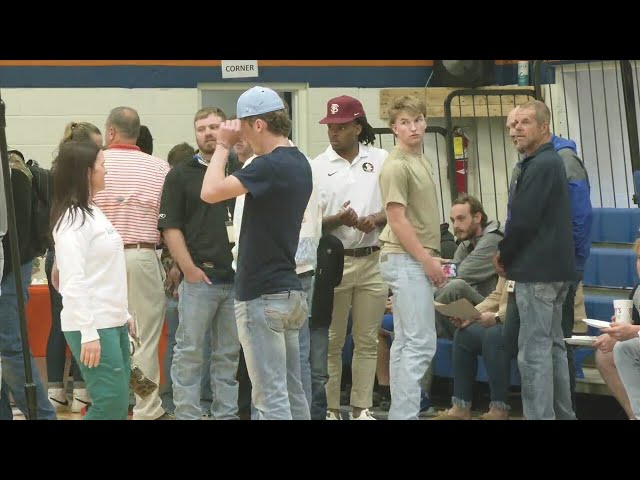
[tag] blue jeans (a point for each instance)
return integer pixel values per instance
(568, 318)
(206, 392)
(172, 319)
(268, 328)
(166, 390)
(414, 344)
(542, 354)
(304, 337)
(12, 356)
(468, 343)
(627, 358)
(319, 371)
(56, 343)
(6, 412)
(202, 306)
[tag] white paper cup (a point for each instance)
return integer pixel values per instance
(623, 310)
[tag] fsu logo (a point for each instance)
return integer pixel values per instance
(367, 167)
(334, 108)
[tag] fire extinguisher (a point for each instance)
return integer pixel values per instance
(460, 152)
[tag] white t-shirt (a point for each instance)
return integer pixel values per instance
(93, 275)
(237, 220)
(339, 181)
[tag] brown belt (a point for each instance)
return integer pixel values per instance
(141, 245)
(360, 252)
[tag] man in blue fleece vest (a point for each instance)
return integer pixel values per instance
(581, 217)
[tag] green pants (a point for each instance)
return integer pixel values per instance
(108, 383)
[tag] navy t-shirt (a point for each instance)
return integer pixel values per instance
(279, 185)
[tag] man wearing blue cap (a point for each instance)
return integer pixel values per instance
(270, 304)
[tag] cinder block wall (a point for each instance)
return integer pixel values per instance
(36, 116)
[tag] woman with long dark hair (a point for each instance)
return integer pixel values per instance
(56, 344)
(92, 280)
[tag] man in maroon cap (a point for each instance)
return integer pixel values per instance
(347, 178)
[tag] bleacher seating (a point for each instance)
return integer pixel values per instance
(611, 267)
(443, 364)
(600, 307)
(615, 225)
(607, 268)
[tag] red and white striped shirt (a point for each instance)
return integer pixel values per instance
(131, 198)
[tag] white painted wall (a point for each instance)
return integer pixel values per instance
(36, 116)
(587, 105)
(492, 159)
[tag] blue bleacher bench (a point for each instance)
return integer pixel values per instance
(611, 267)
(615, 225)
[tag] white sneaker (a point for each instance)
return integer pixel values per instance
(58, 399)
(364, 415)
(80, 399)
(332, 416)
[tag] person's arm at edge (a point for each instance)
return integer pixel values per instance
(215, 187)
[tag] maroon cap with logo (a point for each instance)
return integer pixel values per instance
(343, 109)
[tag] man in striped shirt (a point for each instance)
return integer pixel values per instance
(131, 202)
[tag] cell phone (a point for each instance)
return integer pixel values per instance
(449, 269)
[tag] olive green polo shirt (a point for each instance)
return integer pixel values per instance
(408, 179)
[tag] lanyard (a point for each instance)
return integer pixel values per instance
(202, 161)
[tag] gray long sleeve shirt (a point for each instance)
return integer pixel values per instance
(475, 264)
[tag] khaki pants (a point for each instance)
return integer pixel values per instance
(579, 311)
(145, 282)
(363, 290)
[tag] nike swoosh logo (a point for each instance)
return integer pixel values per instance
(64, 404)
(333, 173)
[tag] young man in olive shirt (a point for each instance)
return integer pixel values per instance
(410, 243)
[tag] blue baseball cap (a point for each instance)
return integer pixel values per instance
(258, 100)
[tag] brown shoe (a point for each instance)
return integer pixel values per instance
(444, 415)
(490, 416)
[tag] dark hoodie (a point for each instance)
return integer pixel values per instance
(538, 244)
(21, 186)
(448, 243)
(579, 197)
